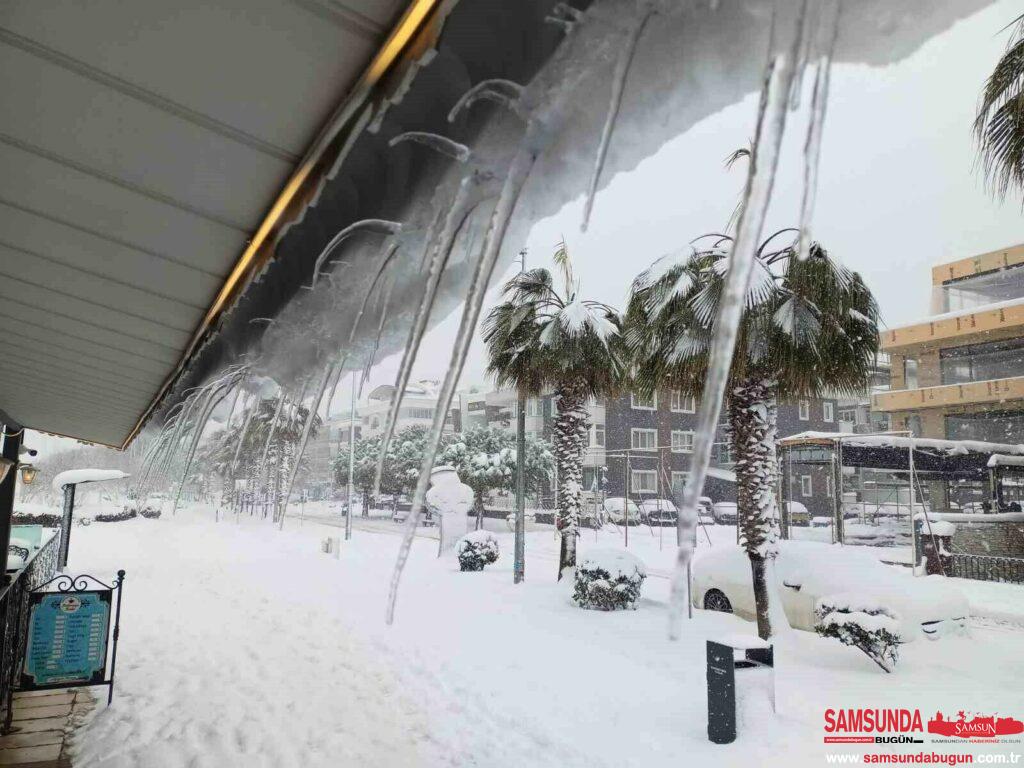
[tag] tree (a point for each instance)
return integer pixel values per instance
(485, 460)
(401, 463)
(809, 327)
(544, 337)
(999, 125)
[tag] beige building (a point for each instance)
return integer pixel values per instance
(959, 374)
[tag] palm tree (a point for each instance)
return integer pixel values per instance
(809, 327)
(999, 125)
(543, 337)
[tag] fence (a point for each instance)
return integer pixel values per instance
(986, 567)
(39, 568)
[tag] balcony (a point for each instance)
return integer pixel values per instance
(978, 392)
(994, 321)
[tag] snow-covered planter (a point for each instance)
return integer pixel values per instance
(475, 550)
(608, 580)
(862, 623)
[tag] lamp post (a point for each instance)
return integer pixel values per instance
(519, 563)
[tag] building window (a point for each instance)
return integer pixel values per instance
(828, 411)
(643, 481)
(683, 403)
(804, 410)
(910, 373)
(806, 486)
(644, 403)
(679, 481)
(721, 453)
(848, 414)
(599, 435)
(828, 486)
(682, 441)
(534, 406)
(418, 413)
(644, 439)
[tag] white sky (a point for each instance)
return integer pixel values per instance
(898, 190)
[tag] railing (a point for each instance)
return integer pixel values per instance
(986, 567)
(39, 568)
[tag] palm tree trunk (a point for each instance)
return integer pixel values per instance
(752, 426)
(571, 427)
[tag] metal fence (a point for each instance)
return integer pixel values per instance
(987, 567)
(39, 568)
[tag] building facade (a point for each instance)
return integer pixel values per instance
(959, 374)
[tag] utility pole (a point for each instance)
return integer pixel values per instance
(519, 563)
(351, 459)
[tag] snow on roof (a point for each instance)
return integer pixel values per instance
(1002, 460)
(963, 312)
(902, 441)
(76, 476)
(722, 474)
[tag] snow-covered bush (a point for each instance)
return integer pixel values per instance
(44, 519)
(475, 550)
(862, 623)
(608, 580)
(150, 512)
(116, 517)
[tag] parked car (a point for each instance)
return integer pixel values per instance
(724, 512)
(808, 571)
(613, 510)
(798, 514)
(658, 511)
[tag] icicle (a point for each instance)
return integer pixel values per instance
(517, 175)
(435, 141)
(254, 406)
(380, 324)
(771, 123)
(270, 433)
(622, 65)
(565, 16)
(389, 254)
(212, 401)
(816, 124)
(375, 226)
(438, 260)
(806, 45)
(504, 92)
(314, 406)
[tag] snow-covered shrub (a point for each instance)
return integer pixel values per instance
(608, 580)
(862, 623)
(44, 519)
(475, 550)
(150, 512)
(115, 517)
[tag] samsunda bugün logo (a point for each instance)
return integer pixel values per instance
(873, 726)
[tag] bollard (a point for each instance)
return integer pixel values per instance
(722, 665)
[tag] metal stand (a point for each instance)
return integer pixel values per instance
(65, 530)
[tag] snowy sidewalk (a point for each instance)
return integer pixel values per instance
(245, 646)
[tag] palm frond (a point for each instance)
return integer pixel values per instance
(999, 124)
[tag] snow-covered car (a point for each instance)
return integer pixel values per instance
(724, 512)
(798, 514)
(613, 510)
(658, 511)
(806, 572)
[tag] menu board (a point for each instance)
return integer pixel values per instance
(67, 638)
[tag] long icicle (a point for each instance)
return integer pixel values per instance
(519, 170)
(622, 65)
(311, 414)
(376, 226)
(768, 138)
(212, 401)
(254, 405)
(438, 262)
(271, 430)
(816, 124)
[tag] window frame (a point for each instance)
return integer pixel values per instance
(599, 429)
(828, 411)
(633, 487)
(635, 407)
(806, 490)
(678, 399)
(803, 410)
(646, 430)
(690, 432)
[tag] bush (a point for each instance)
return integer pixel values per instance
(45, 519)
(116, 517)
(475, 550)
(149, 513)
(872, 628)
(609, 580)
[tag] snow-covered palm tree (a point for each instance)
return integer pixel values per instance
(810, 327)
(546, 337)
(999, 126)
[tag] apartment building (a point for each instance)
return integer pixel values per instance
(959, 374)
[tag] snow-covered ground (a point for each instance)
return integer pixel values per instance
(245, 646)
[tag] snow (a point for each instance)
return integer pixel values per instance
(76, 476)
(741, 641)
(999, 460)
(966, 517)
(994, 306)
(617, 562)
(865, 621)
(951, 447)
(245, 646)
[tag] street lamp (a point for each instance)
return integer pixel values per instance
(28, 473)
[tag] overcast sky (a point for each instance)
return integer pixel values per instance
(898, 190)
